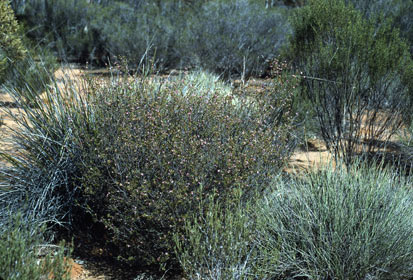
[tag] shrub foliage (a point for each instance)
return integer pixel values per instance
(20, 248)
(11, 46)
(217, 241)
(222, 36)
(356, 74)
(154, 146)
(235, 37)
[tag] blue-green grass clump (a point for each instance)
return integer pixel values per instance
(353, 223)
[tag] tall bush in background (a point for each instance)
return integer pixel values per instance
(401, 11)
(11, 46)
(66, 27)
(151, 30)
(230, 37)
(355, 74)
(235, 37)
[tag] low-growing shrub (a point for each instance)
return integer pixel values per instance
(353, 223)
(21, 255)
(155, 143)
(217, 241)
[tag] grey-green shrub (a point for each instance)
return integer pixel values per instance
(70, 28)
(230, 37)
(148, 30)
(235, 37)
(107, 31)
(217, 241)
(20, 248)
(353, 223)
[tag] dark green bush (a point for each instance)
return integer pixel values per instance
(356, 74)
(155, 144)
(347, 223)
(12, 49)
(399, 10)
(20, 248)
(235, 37)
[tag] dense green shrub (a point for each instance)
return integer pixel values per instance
(401, 11)
(20, 248)
(235, 37)
(11, 46)
(156, 143)
(356, 74)
(353, 223)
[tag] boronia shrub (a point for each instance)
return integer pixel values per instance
(155, 143)
(347, 223)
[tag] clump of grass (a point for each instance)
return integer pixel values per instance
(40, 178)
(348, 223)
